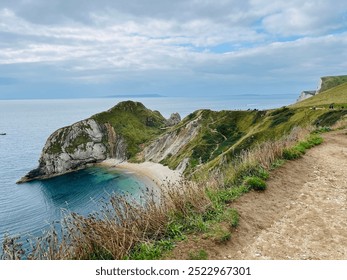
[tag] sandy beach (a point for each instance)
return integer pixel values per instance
(161, 175)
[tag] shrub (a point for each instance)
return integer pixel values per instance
(255, 183)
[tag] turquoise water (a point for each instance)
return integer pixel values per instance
(30, 207)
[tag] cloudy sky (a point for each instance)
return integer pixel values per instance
(85, 48)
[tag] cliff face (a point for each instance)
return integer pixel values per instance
(76, 146)
(172, 142)
(73, 146)
(306, 94)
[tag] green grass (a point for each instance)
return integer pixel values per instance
(332, 81)
(151, 251)
(199, 255)
(227, 195)
(280, 116)
(329, 118)
(232, 217)
(336, 95)
(81, 139)
(134, 122)
(291, 154)
(255, 183)
(299, 149)
(277, 163)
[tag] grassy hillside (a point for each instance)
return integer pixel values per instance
(336, 95)
(134, 122)
(332, 81)
(224, 135)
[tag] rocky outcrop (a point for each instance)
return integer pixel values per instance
(306, 94)
(172, 142)
(76, 146)
(174, 119)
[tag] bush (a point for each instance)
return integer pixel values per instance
(255, 183)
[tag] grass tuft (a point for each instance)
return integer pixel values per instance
(255, 183)
(199, 255)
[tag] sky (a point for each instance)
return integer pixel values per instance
(195, 48)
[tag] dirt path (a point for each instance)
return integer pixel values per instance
(302, 214)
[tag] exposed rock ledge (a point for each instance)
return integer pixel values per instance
(74, 147)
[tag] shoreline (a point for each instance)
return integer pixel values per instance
(162, 176)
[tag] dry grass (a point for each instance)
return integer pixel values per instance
(263, 156)
(340, 124)
(114, 231)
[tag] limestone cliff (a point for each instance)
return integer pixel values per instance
(76, 146)
(306, 94)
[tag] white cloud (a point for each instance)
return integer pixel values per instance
(183, 41)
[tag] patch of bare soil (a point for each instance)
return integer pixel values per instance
(301, 215)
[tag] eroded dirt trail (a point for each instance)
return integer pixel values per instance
(302, 214)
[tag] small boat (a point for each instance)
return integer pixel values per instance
(2, 133)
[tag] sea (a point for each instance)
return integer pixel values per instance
(28, 209)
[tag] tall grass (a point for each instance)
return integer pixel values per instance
(262, 157)
(116, 231)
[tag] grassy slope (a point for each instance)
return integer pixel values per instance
(223, 135)
(332, 81)
(337, 95)
(134, 122)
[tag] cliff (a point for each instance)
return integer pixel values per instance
(306, 94)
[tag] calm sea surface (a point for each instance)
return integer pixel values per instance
(29, 208)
